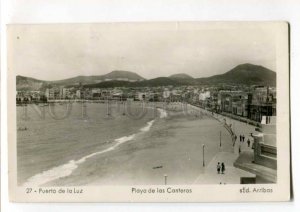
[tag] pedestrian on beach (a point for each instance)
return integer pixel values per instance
(218, 167)
(240, 138)
(243, 138)
(222, 168)
(248, 142)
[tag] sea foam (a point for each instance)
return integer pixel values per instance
(67, 169)
(148, 127)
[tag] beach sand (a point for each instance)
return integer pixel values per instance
(172, 147)
(126, 151)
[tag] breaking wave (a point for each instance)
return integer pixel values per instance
(148, 127)
(67, 169)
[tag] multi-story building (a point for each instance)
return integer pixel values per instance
(204, 99)
(65, 93)
(51, 93)
(240, 104)
(262, 103)
(96, 93)
(141, 96)
(78, 94)
(235, 102)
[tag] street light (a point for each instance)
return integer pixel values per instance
(203, 146)
(166, 176)
(220, 138)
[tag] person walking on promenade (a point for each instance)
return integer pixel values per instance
(240, 138)
(218, 167)
(240, 149)
(222, 168)
(248, 142)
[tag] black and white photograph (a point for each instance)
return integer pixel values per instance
(149, 104)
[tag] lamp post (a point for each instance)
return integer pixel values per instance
(220, 138)
(123, 108)
(166, 176)
(203, 146)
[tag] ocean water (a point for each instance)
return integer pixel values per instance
(53, 146)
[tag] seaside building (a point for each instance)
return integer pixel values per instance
(30, 97)
(96, 93)
(83, 94)
(23, 96)
(141, 96)
(78, 94)
(262, 103)
(214, 101)
(240, 104)
(166, 93)
(204, 99)
(65, 93)
(52, 93)
(234, 102)
(154, 96)
(204, 95)
(118, 95)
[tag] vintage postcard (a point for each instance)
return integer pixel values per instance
(149, 112)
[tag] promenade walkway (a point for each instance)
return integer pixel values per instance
(232, 175)
(228, 156)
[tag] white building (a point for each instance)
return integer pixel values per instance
(65, 93)
(50, 93)
(141, 96)
(204, 95)
(78, 94)
(166, 93)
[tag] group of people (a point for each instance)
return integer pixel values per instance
(242, 139)
(221, 168)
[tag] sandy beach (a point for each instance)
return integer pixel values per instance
(172, 147)
(138, 151)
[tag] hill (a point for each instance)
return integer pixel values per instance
(244, 74)
(114, 75)
(247, 74)
(181, 76)
(122, 76)
(160, 81)
(28, 83)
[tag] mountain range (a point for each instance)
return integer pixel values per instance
(244, 74)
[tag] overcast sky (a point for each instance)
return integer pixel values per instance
(53, 52)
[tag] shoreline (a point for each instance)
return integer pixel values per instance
(66, 169)
(173, 144)
(70, 171)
